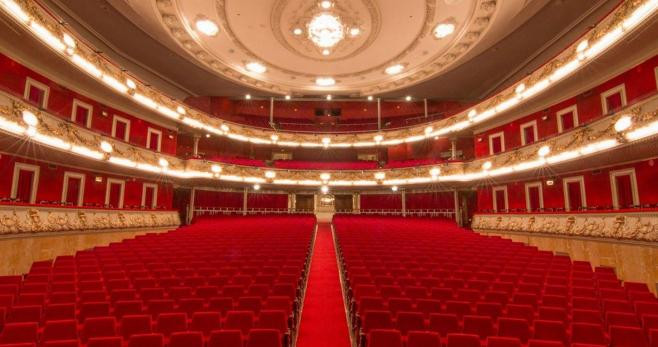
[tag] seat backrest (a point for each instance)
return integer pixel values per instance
(423, 339)
(19, 332)
(273, 319)
(407, 321)
(587, 333)
(444, 323)
(550, 330)
(135, 324)
(225, 338)
(501, 341)
(98, 327)
(169, 323)
(384, 338)
(264, 338)
(481, 326)
(545, 343)
(622, 336)
(239, 320)
(377, 320)
(60, 330)
(463, 340)
(205, 322)
(514, 327)
(146, 340)
(186, 339)
(104, 342)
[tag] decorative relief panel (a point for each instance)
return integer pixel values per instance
(638, 226)
(33, 219)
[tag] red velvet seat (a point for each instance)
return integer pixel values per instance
(220, 304)
(587, 333)
(225, 338)
(146, 340)
(423, 339)
(427, 306)
(94, 309)
(60, 330)
(168, 323)
(500, 341)
(30, 313)
(264, 338)
(463, 340)
(105, 342)
(377, 320)
(623, 336)
(206, 322)
(514, 327)
(239, 320)
(186, 339)
(127, 307)
(19, 333)
(135, 324)
(59, 312)
(98, 327)
(444, 323)
(545, 343)
(550, 330)
(273, 319)
(481, 326)
(384, 338)
(399, 304)
(490, 309)
(61, 343)
(408, 321)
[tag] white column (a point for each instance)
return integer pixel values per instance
(356, 201)
(425, 107)
(453, 148)
(457, 214)
(272, 111)
(195, 150)
(190, 213)
(379, 114)
(244, 200)
(404, 203)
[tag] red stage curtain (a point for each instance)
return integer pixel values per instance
(115, 194)
(567, 121)
(81, 115)
(496, 144)
(148, 198)
(435, 200)
(624, 191)
(204, 198)
(573, 193)
(267, 201)
(36, 95)
(500, 200)
(533, 198)
(381, 201)
(529, 134)
(24, 191)
(72, 190)
(154, 141)
(120, 131)
(614, 102)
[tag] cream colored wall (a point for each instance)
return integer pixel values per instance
(636, 262)
(18, 253)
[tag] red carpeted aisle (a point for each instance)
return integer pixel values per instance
(323, 317)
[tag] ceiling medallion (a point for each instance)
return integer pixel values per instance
(328, 25)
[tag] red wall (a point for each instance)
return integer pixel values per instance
(433, 200)
(258, 200)
(51, 181)
(640, 82)
(60, 103)
(597, 188)
(206, 198)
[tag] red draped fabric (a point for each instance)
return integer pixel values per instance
(204, 198)
(529, 134)
(533, 198)
(120, 131)
(148, 198)
(313, 165)
(267, 201)
(497, 144)
(624, 191)
(115, 195)
(155, 138)
(81, 115)
(24, 191)
(435, 200)
(574, 195)
(567, 121)
(381, 201)
(73, 190)
(36, 95)
(614, 102)
(500, 200)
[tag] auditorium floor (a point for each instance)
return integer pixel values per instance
(323, 320)
(636, 262)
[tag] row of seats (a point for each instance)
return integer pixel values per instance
(219, 282)
(427, 277)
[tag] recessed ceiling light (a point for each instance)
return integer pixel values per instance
(207, 136)
(69, 41)
(444, 29)
(324, 189)
(325, 52)
(394, 69)
(297, 31)
(329, 97)
(325, 81)
(256, 67)
(355, 31)
(369, 97)
(288, 97)
(394, 188)
(248, 96)
(131, 84)
(163, 162)
(408, 98)
(207, 26)
(326, 4)
(257, 186)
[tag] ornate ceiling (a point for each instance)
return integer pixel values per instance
(380, 45)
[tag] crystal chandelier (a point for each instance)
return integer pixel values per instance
(325, 30)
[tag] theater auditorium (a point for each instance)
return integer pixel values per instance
(328, 173)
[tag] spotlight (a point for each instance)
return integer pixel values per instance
(216, 168)
(394, 188)
(207, 26)
(486, 165)
(324, 189)
(257, 186)
(106, 147)
(30, 119)
(544, 151)
(163, 162)
(623, 123)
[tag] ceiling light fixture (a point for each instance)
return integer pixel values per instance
(248, 96)
(270, 174)
(380, 175)
(329, 97)
(408, 98)
(486, 166)
(378, 138)
(131, 84)
(206, 26)
(288, 97)
(216, 168)
(274, 138)
(325, 52)
(623, 123)
(68, 40)
(325, 81)
(443, 29)
(434, 172)
(30, 119)
(163, 162)
(106, 147)
(256, 67)
(544, 151)
(370, 97)
(326, 4)
(325, 30)
(355, 31)
(324, 189)
(180, 109)
(297, 31)
(325, 176)
(256, 186)
(394, 188)
(394, 69)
